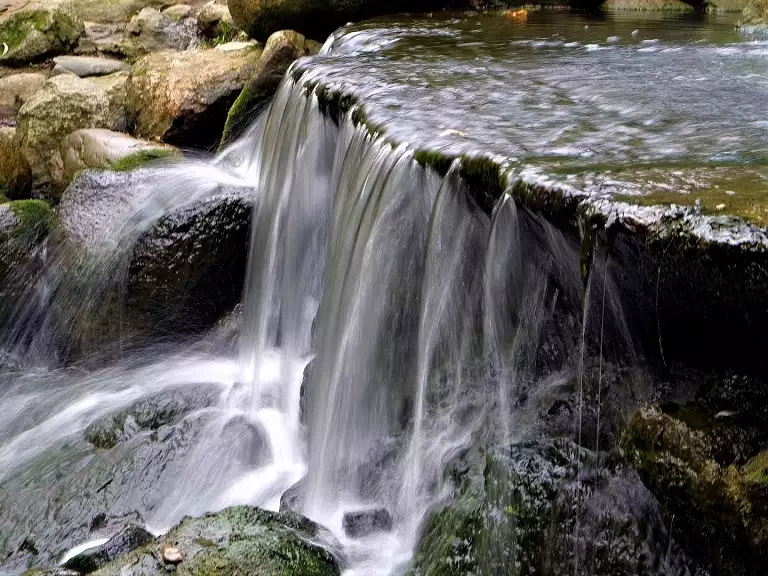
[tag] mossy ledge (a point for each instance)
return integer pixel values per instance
(144, 157)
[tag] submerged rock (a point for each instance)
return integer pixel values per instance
(529, 512)
(366, 522)
(720, 511)
(238, 540)
(127, 540)
(42, 30)
(66, 103)
(183, 98)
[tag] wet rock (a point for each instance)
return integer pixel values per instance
(16, 89)
(40, 31)
(719, 511)
(183, 98)
(151, 31)
(526, 510)
(149, 414)
(15, 173)
(127, 540)
(292, 499)
(215, 21)
(366, 522)
(238, 540)
(66, 103)
(281, 49)
(85, 66)
(98, 148)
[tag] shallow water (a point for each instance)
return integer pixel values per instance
(670, 107)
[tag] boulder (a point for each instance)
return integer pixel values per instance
(281, 49)
(315, 18)
(85, 66)
(237, 540)
(116, 87)
(183, 98)
(127, 540)
(15, 174)
(66, 103)
(179, 12)
(152, 31)
(99, 148)
(363, 523)
(527, 510)
(755, 15)
(16, 89)
(720, 511)
(38, 32)
(215, 21)
(112, 11)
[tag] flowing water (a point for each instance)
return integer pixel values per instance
(388, 323)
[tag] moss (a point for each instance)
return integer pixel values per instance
(756, 470)
(438, 161)
(485, 180)
(238, 115)
(143, 157)
(35, 219)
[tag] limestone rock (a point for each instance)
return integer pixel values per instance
(66, 103)
(315, 18)
(85, 66)
(183, 98)
(16, 89)
(281, 49)
(15, 174)
(363, 523)
(38, 32)
(98, 148)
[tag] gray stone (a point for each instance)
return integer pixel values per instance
(127, 540)
(363, 523)
(16, 89)
(84, 66)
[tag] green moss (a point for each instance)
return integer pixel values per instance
(485, 180)
(35, 219)
(238, 115)
(438, 161)
(143, 157)
(756, 470)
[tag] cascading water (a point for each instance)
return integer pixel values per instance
(388, 326)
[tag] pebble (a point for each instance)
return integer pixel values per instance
(171, 555)
(635, 33)
(614, 39)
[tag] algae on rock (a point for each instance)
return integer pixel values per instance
(39, 32)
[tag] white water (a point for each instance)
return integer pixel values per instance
(378, 272)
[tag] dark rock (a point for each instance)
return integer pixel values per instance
(129, 539)
(529, 511)
(366, 522)
(292, 499)
(238, 540)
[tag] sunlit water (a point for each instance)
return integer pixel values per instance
(382, 274)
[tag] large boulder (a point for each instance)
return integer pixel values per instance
(16, 89)
(527, 509)
(99, 148)
(66, 103)
(15, 174)
(112, 11)
(183, 98)
(281, 49)
(152, 31)
(315, 18)
(755, 15)
(44, 30)
(720, 510)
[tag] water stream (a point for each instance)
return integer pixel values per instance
(388, 323)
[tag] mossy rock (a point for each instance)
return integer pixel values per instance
(237, 540)
(719, 511)
(37, 33)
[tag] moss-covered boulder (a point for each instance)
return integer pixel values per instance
(66, 103)
(15, 174)
(755, 15)
(281, 49)
(720, 512)
(238, 540)
(183, 98)
(99, 148)
(315, 18)
(44, 30)
(527, 514)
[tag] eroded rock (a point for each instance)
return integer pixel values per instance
(361, 523)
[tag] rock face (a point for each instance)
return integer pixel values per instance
(366, 522)
(65, 104)
(16, 89)
(183, 98)
(238, 540)
(99, 148)
(39, 32)
(720, 511)
(281, 50)
(15, 174)
(525, 509)
(755, 14)
(314, 18)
